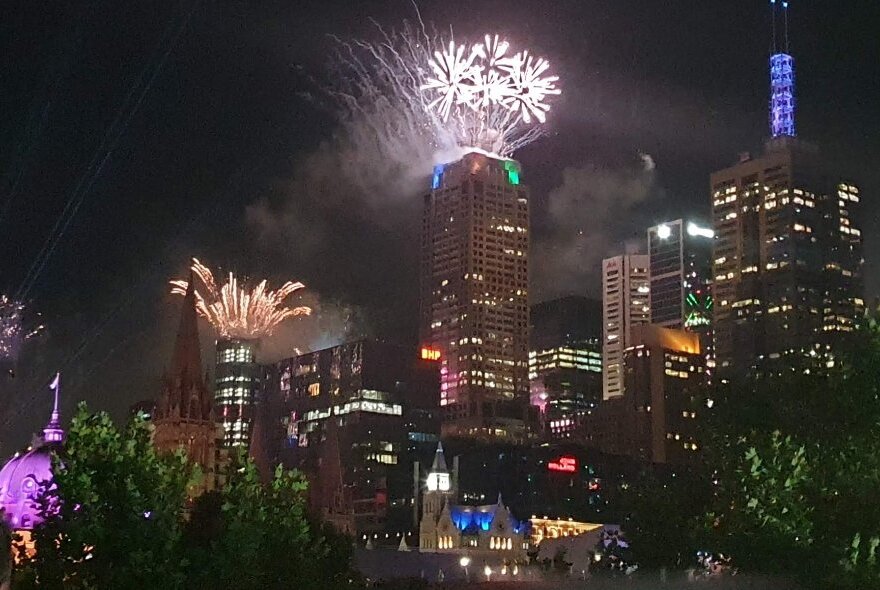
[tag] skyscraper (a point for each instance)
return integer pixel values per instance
(681, 279)
(625, 303)
(474, 294)
(565, 363)
(787, 258)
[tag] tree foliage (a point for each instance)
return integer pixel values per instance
(258, 536)
(118, 517)
(789, 479)
(113, 519)
(798, 468)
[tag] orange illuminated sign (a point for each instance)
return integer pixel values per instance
(565, 464)
(430, 354)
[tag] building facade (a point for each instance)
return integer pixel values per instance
(237, 383)
(355, 417)
(787, 260)
(788, 248)
(447, 527)
(656, 418)
(681, 280)
(474, 295)
(625, 303)
(184, 415)
(565, 364)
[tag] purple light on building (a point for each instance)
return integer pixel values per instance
(782, 99)
(28, 475)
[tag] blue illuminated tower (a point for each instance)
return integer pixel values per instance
(782, 97)
(787, 251)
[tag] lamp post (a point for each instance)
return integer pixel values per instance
(464, 562)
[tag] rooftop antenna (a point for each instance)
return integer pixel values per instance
(773, 27)
(53, 432)
(782, 98)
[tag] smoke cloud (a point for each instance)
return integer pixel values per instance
(330, 323)
(593, 214)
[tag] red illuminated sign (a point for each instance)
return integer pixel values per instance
(565, 464)
(430, 354)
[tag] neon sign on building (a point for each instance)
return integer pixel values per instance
(565, 464)
(430, 354)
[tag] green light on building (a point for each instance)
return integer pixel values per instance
(512, 172)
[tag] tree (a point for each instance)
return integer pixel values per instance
(113, 515)
(664, 514)
(798, 468)
(117, 516)
(251, 535)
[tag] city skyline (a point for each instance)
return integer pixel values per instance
(107, 335)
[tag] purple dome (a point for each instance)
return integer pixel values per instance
(22, 481)
(24, 477)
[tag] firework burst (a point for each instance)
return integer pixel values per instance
(436, 99)
(235, 311)
(13, 332)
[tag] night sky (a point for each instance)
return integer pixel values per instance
(228, 156)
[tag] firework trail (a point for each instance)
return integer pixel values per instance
(236, 312)
(415, 95)
(13, 332)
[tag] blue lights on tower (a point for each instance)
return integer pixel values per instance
(438, 177)
(782, 98)
(782, 101)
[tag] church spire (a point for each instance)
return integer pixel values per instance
(185, 394)
(439, 465)
(187, 357)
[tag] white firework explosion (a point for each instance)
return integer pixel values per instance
(490, 95)
(418, 96)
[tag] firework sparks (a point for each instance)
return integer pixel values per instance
(419, 96)
(484, 77)
(13, 332)
(235, 311)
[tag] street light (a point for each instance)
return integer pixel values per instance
(488, 571)
(465, 562)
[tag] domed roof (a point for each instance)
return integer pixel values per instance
(26, 475)
(22, 480)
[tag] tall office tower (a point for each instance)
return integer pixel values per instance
(681, 279)
(787, 259)
(474, 295)
(625, 303)
(237, 381)
(565, 363)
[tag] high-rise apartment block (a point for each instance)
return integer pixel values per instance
(625, 303)
(474, 294)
